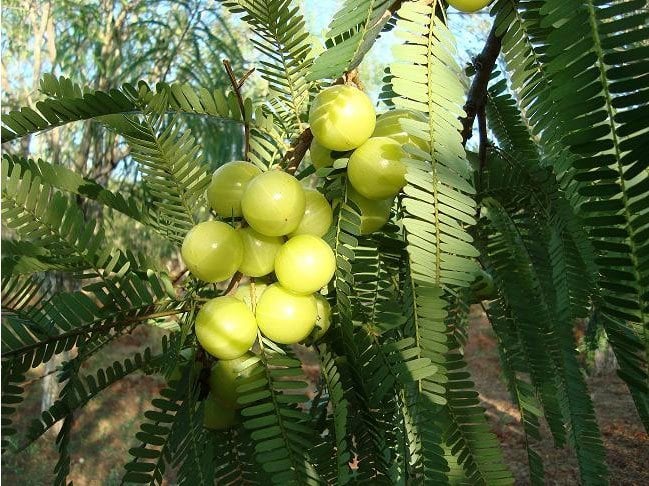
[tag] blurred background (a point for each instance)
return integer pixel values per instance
(102, 44)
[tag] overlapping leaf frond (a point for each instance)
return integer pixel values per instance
(64, 179)
(48, 219)
(525, 266)
(279, 428)
(281, 37)
(468, 434)
(67, 104)
(50, 327)
(80, 390)
(153, 453)
(592, 57)
(352, 32)
(174, 174)
(338, 426)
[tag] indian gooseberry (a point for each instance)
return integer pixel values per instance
(374, 213)
(284, 316)
(469, 5)
(258, 252)
(318, 215)
(183, 358)
(226, 327)
(212, 251)
(304, 264)
(217, 416)
(320, 156)
(388, 124)
(245, 294)
(375, 168)
(323, 321)
(225, 376)
(483, 286)
(227, 185)
(342, 118)
(273, 203)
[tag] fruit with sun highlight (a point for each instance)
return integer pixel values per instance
(342, 118)
(226, 327)
(375, 168)
(273, 203)
(284, 316)
(212, 251)
(305, 264)
(227, 185)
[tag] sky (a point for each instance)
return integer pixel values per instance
(470, 31)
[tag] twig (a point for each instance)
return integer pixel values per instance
(234, 283)
(179, 276)
(236, 87)
(477, 97)
(245, 76)
(297, 151)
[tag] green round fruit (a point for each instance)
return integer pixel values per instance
(225, 327)
(305, 264)
(244, 294)
(375, 168)
(258, 252)
(323, 321)
(284, 316)
(320, 156)
(374, 212)
(388, 125)
(318, 215)
(273, 203)
(224, 379)
(216, 416)
(212, 251)
(226, 188)
(483, 287)
(469, 5)
(183, 357)
(342, 118)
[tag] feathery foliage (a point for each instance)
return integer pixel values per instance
(555, 210)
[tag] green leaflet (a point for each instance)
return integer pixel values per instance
(352, 32)
(281, 37)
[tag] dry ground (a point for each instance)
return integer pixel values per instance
(105, 429)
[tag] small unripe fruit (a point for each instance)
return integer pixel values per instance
(469, 5)
(342, 118)
(212, 251)
(323, 321)
(244, 294)
(483, 287)
(225, 327)
(320, 156)
(305, 264)
(258, 252)
(318, 215)
(224, 379)
(184, 356)
(374, 213)
(226, 188)
(375, 168)
(284, 316)
(216, 416)
(388, 125)
(273, 203)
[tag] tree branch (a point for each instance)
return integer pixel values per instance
(477, 96)
(236, 87)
